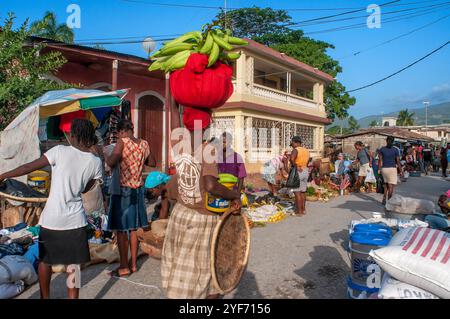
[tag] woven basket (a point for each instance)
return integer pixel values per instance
(230, 248)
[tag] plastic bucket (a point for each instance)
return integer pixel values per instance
(216, 204)
(360, 245)
(39, 180)
(373, 228)
(355, 291)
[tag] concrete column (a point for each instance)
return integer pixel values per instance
(115, 68)
(250, 71)
(289, 82)
(241, 73)
(239, 135)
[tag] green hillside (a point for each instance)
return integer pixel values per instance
(437, 114)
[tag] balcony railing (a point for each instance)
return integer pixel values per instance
(280, 96)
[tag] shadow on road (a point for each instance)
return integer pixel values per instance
(248, 288)
(340, 238)
(324, 276)
(93, 274)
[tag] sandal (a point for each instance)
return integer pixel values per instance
(117, 273)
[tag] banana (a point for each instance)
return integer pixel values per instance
(174, 61)
(214, 54)
(178, 64)
(187, 36)
(176, 48)
(236, 41)
(220, 42)
(230, 56)
(155, 66)
(206, 48)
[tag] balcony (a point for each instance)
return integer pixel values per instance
(280, 96)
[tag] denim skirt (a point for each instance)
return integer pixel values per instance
(127, 210)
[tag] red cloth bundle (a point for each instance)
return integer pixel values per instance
(190, 115)
(198, 86)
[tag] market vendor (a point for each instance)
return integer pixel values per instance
(231, 162)
(299, 159)
(364, 159)
(441, 220)
(156, 185)
(63, 238)
(271, 169)
(186, 254)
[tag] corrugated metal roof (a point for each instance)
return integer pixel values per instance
(391, 131)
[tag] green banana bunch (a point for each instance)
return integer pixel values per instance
(212, 42)
(229, 56)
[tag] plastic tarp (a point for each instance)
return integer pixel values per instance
(19, 142)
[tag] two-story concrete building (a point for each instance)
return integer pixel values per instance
(275, 97)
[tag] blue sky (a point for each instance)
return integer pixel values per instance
(429, 79)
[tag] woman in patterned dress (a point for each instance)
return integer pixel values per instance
(127, 210)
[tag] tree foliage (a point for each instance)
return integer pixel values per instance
(373, 123)
(336, 130)
(22, 66)
(49, 28)
(405, 118)
(353, 124)
(271, 27)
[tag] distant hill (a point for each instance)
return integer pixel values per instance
(437, 114)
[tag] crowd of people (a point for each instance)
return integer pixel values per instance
(185, 262)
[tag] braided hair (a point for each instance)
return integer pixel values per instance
(83, 131)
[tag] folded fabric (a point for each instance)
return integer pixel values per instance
(32, 255)
(11, 249)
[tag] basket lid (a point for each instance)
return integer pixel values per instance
(230, 247)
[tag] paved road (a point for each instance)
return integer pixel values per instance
(297, 258)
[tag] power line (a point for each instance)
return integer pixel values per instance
(401, 70)
(337, 15)
(388, 20)
(400, 36)
(361, 51)
(163, 4)
(443, 4)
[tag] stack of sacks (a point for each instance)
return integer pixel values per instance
(418, 257)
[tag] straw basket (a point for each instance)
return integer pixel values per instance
(230, 248)
(30, 210)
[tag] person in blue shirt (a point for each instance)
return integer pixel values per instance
(155, 184)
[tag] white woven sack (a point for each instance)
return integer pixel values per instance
(393, 289)
(420, 257)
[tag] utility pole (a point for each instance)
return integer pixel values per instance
(426, 103)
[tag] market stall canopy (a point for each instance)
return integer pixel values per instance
(19, 142)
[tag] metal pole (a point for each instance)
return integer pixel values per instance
(426, 103)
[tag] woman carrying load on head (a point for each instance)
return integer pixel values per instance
(185, 263)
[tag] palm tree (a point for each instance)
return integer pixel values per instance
(49, 28)
(373, 123)
(405, 118)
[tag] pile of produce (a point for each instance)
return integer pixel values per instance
(212, 42)
(277, 217)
